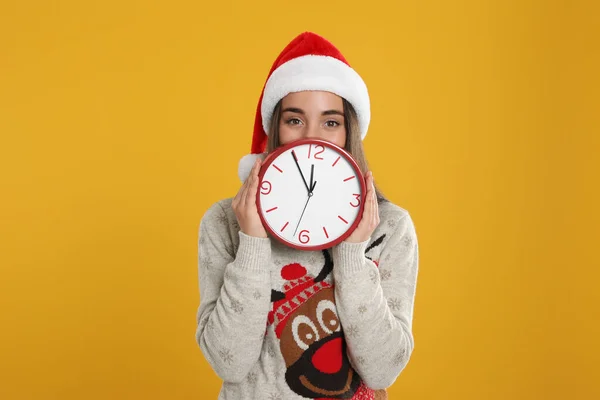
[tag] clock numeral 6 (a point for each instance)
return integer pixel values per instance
(357, 200)
(316, 155)
(265, 187)
(303, 236)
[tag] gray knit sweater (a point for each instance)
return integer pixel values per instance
(279, 323)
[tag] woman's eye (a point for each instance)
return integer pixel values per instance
(293, 121)
(332, 124)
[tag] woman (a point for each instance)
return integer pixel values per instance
(280, 323)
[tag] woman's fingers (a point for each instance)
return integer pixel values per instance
(253, 185)
(370, 216)
(244, 190)
(247, 189)
(371, 210)
(372, 204)
(375, 205)
(244, 204)
(238, 195)
(242, 193)
(367, 212)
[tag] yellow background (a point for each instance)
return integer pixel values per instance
(122, 121)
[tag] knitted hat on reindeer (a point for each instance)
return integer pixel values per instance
(298, 289)
(309, 62)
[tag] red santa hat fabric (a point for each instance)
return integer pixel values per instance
(308, 62)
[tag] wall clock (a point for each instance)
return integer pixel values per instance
(310, 194)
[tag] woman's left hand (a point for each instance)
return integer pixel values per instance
(370, 217)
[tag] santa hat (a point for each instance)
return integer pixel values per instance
(297, 290)
(309, 62)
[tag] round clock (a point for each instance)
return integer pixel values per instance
(310, 194)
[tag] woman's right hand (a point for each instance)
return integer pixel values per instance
(244, 205)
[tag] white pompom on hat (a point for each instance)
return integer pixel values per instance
(309, 62)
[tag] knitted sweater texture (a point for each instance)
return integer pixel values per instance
(277, 323)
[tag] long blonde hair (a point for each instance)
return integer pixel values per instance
(354, 144)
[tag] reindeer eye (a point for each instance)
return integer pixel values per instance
(304, 331)
(327, 315)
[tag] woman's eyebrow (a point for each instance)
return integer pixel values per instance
(294, 110)
(301, 111)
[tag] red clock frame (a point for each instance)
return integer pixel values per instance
(345, 154)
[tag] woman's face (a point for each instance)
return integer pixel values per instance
(314, 115)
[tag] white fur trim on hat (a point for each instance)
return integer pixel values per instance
(313, 72)
(246, 163)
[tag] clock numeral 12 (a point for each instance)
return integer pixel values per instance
(317, 153)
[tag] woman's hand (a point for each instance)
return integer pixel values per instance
(244, 205)
(370, 217)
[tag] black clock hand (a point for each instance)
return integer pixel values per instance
(301, 174)
(312, 170)
(300, 220)
(310, 194)
(312, 184)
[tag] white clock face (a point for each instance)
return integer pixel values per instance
(310, 194)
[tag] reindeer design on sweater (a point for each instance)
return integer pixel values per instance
(312, 343)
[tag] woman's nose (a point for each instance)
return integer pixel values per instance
(312, 131)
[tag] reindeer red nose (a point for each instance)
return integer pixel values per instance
(328, 358)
